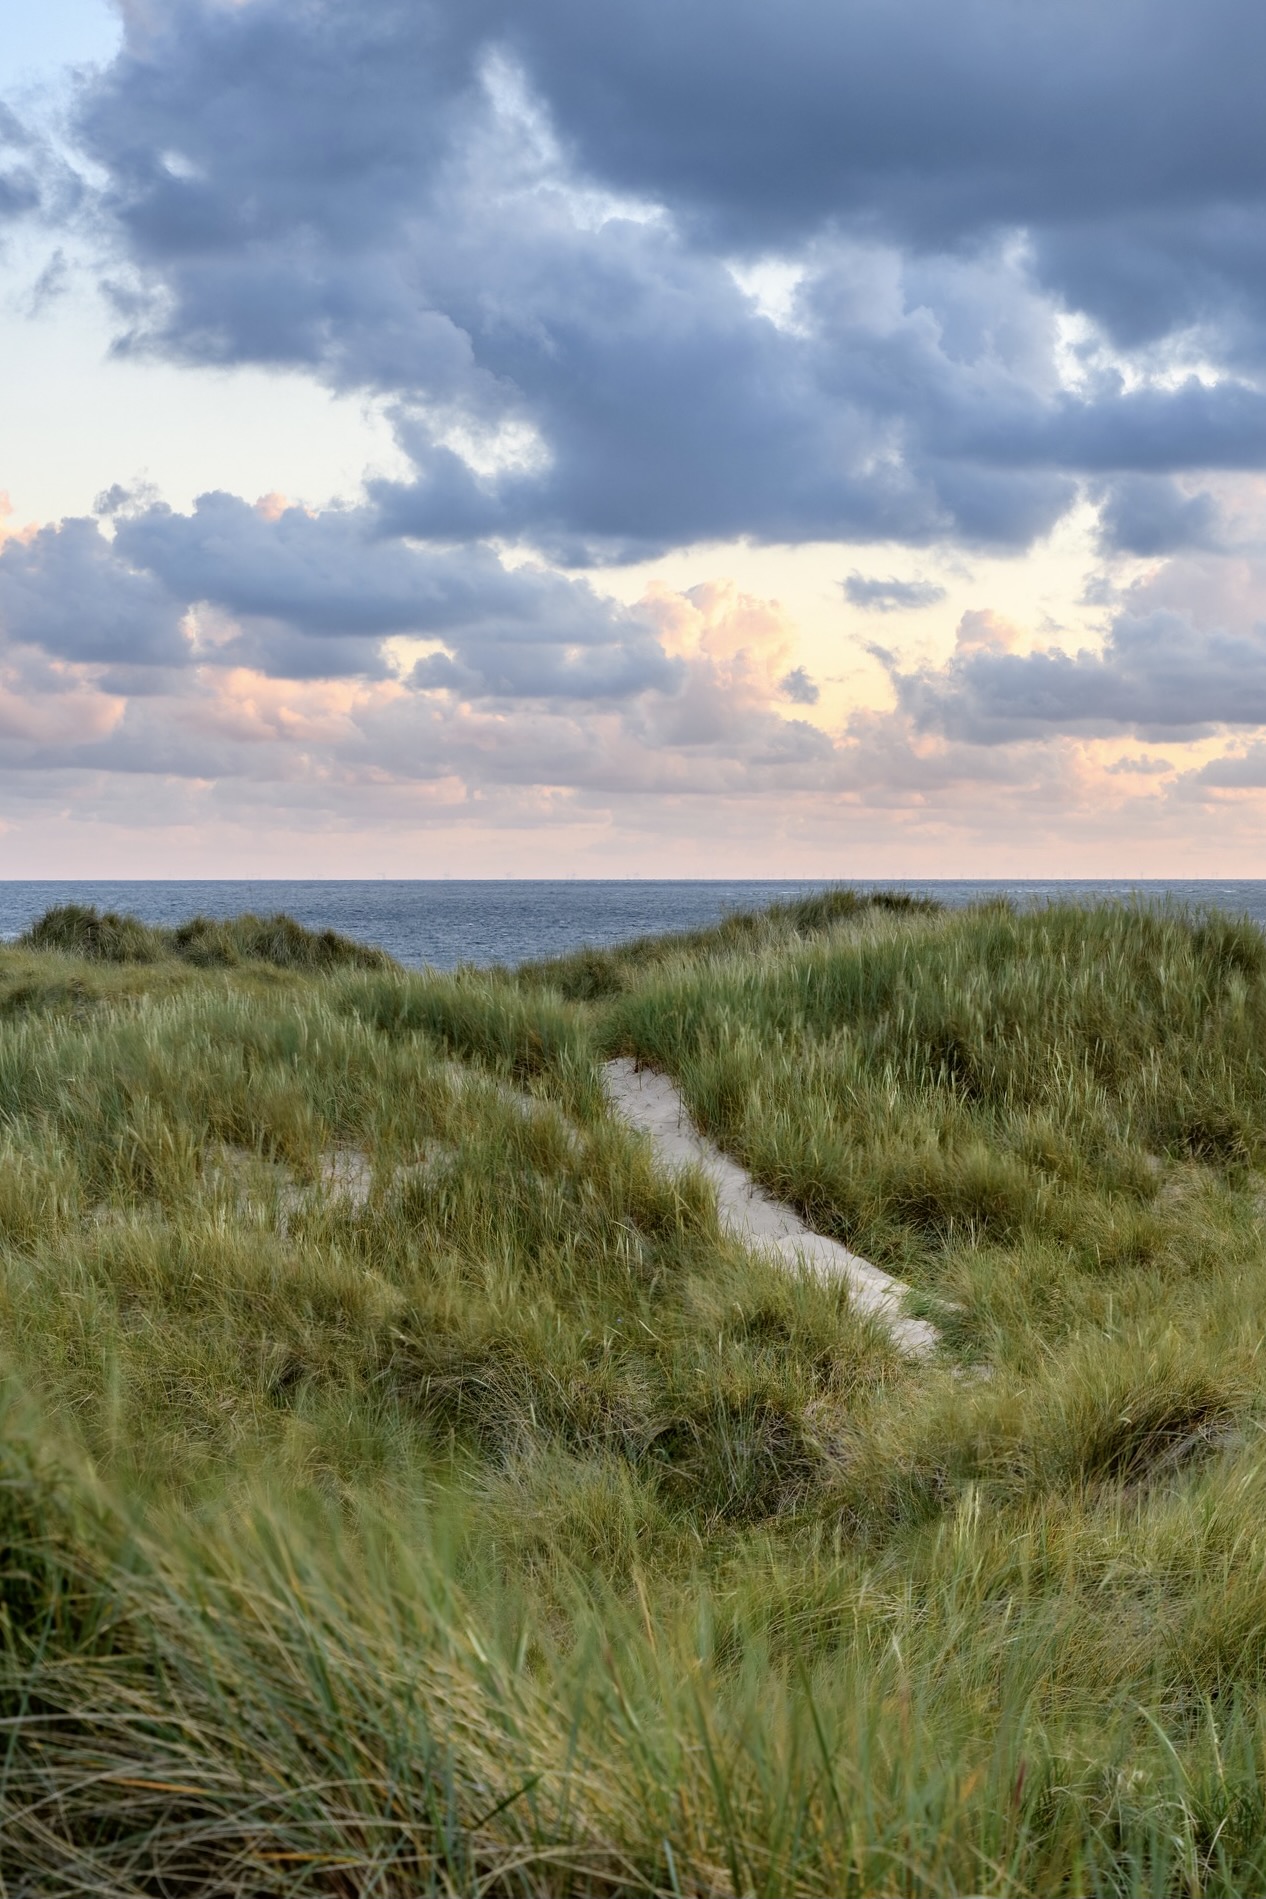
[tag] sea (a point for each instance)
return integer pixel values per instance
(448, 921)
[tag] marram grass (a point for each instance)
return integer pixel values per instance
(406, 1489)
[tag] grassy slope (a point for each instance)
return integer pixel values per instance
(515, 1527)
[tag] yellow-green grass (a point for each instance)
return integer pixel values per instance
(407, 1489)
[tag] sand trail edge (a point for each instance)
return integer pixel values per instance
(649, 1102)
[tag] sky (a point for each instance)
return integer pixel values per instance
(813, 439)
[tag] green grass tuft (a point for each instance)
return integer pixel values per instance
(590, 975)
(80, 929)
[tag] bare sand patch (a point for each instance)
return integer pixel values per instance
(650, 1102)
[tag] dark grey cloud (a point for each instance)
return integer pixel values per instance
(485, 666)
(68, 592)
(1151, 514)
(20, 189)
(1124, 138)
(1150, 429)
(332, 574)
(315, 594)
(408, 197)
(887, 596)
(933, 118)
(1191, 260)
(36, 181)
(799, 687)
(1159, 675)
(305, 596)
(1243, 771)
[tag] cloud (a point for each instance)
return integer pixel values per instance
(1159, 674)
(1151, 515)
(1235, 771)
(523, 631)
(1140, 767)
(20, 155)
(702, 718)
(1124, 139)
(799, 688)
(66, 590)
(529, 232)
(635, 279)
(887, 596)
(308, 596)
(461, 752)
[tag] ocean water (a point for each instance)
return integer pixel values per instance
(450, 921)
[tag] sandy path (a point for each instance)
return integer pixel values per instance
(651, 1103)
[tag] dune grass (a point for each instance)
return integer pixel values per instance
(80, 929)
(407, 1489)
